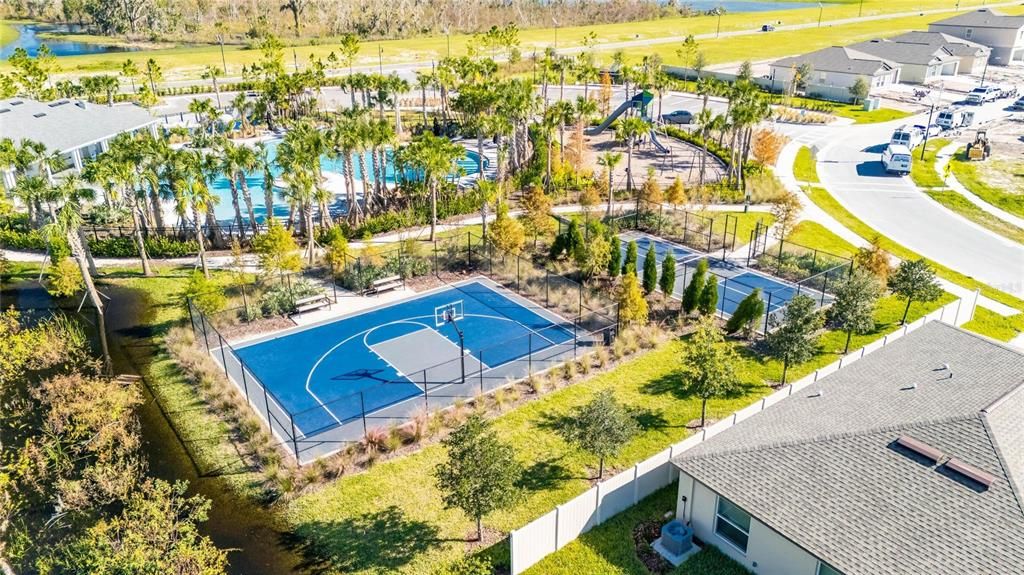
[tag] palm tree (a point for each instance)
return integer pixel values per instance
(397, 86)
(476, 103)
(704, 121)
(343, 137)
(380, 136)
(424, 80)
(487, 192)
(187, 171)
(67, 224)
(212, 73)
(204, 112)
(349, 49)
(264, 165)
(629, 131)
(153, 153)
(435, 157)
(243, 107)
(608, 161)
(124, 156)
(236, 161)
(131, 70)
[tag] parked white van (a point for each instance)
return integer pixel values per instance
(951, 118)
(896, 158)
(909, 136)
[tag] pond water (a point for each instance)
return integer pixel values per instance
(735, 6)
(28, 38)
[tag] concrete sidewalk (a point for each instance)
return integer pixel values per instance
(942, 158)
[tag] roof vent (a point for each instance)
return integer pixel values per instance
(921, 448)
(971, 472)
(16, 102)
(80, 104)
(819, 393)
(38, 114)
(57, 103)
(4, 110)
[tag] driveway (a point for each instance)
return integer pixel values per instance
(850, 169)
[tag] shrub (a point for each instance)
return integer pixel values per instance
(207, 296)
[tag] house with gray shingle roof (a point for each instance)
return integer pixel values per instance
(972, 55)
(1002, 33)
(835, 70)
(908, 461)
(919, 63)
(75, 129)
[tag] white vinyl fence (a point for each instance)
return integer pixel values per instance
(566, 522)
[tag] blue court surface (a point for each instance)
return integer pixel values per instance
(391, 353)
(735, 282)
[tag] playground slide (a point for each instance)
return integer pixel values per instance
(658, 145)
(607, 122)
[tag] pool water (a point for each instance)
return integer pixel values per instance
(222, 189)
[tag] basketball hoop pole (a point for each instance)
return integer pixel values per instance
(462, 350)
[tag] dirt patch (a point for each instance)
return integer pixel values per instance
(1004, 169)
(644, 535)
(245, 330)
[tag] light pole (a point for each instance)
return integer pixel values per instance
(860, 10)
(821, 7)
(555, 22)
(380, 59)
(718, 29)
(928, 126)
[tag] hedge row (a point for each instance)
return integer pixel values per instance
(157, 246)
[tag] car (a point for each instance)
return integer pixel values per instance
(1018, 104)
(932, 130)
(767, 28)
(983, 94)
(678, 117)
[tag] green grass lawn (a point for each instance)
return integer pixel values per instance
(987, 322)
(744, 222)
(857, 113)
(965, 208)
(805, 168)
(973, 176)
(923, 171)
(609, 550)
(813, 234)
(189, 61)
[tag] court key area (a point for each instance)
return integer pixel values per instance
(390, 358)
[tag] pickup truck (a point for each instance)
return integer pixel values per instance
(981, 95)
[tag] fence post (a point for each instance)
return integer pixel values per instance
(824, 286)
(686, 221)
(814, 260)
(202, 321)
(480, 358)
(778, 263)
(767, 313)
(725, 294)
(295, 440)
(547, 287)
(469, 250)
(518, 288)
(725, 237)
(426, 399)
(245, 384)
(362, 411)
(266, 404)
(529, 353)
(223, 357)
(191, 318)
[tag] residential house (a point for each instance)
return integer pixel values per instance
(919, 63)
(75, 129)
(908, 461)
(834, 70)
(972, 55)
(1002, 33)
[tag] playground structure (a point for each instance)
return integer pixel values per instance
(639, 102)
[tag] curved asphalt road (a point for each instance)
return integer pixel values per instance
(850, 169)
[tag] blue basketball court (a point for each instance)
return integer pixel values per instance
(326, 374)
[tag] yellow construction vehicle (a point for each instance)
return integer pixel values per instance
(980, 148)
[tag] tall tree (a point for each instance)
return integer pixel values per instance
(708, 365)
(691, 295)
(853, 309)
(480, 473)
(914, 280)
(650, 269)
(795, 339)
(601, 427)
(296, 7)
(608, 161)
(667, 281)
(629, 132)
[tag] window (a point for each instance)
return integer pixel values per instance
(968, 33)
(732, 524)
(826, 570)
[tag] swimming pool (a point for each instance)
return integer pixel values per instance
(333, 168)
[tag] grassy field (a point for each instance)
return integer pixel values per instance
(965, 208)
(923, 171)
(996, 328)
(808, 233)
(745, 223)
(609, 550)
(189, 61)
(977, 178)
(857, 113)
(993, 325)
(805, 168)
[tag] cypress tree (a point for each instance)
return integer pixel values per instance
(691, 294)
(749, 311)
(708, 296)
(650, 270)
(615, 256)
(629, 265)
(667, 283)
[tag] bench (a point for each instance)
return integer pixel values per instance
(385, 284)
(310, 303)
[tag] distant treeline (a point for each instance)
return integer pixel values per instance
(239, 20)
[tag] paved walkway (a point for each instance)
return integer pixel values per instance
(941, 159)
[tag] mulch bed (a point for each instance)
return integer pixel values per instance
(644, 535)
